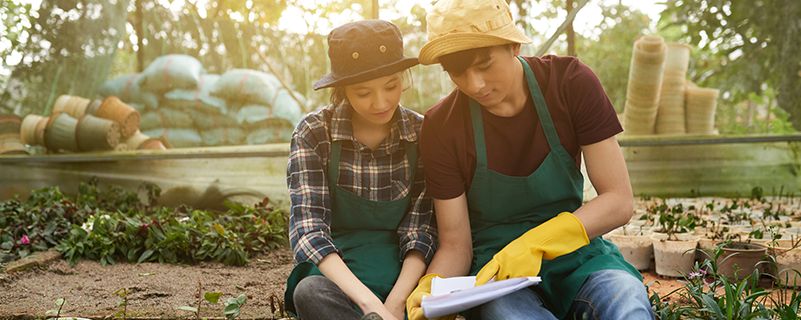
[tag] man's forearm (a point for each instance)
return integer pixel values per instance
(451, 261)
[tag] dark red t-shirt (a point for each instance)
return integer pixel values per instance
(516, 146)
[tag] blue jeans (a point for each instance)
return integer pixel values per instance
(607, 295)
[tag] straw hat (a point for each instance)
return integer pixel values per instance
(362, 51)
(458, 25)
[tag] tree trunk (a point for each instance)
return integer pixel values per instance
(140, 42)
(789, 96)
(571, 35)
(375, 9)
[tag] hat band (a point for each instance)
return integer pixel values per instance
(485, 27)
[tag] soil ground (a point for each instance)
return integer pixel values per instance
(157, 289)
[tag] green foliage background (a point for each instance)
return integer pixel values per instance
(73, 46)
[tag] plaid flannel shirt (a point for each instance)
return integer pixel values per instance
(377, 175)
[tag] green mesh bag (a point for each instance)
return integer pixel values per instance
(270, 131)
(127, 89)
(180, 138)
(170, 72)
(166, 118)
(244, 86)
(223, 136)
(198, 99)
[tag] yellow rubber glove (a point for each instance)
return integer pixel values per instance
(523, 256)
(413, 309)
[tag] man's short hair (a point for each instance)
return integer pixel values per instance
(457, 63)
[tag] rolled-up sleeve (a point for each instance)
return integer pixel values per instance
(310, 213)
(418, 230)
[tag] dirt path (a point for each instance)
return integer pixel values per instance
(155, 289)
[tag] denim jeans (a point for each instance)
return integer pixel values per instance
(606, 295)
(317, 297)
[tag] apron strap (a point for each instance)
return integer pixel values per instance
(336, 152)
(478, 134)
(542, 108)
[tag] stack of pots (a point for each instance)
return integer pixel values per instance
(10, 140)
(670, 115)
(700, 108)
(645, 83)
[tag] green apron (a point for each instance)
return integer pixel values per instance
(502, 208)
(366, 231)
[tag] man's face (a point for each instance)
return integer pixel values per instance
(489, 81)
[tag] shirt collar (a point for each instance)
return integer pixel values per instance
(402, 125)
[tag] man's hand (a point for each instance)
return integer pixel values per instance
(523, 256)
(413, 309)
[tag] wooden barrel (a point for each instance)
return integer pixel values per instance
(72, 105)
(97, 133)
(28, 129)
(126, 116)
(60, 133)
(135, 140)
(9, 123)
(93, 106)
(10, 144)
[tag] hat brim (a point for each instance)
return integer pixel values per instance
(456, 42)
(330, 80)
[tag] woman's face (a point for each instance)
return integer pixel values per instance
(375, 101)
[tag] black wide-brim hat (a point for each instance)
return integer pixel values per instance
(364, 50)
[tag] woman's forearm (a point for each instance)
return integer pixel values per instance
(414, 265)
(335, 269)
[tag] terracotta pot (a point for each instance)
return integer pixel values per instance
(11, 144)
(28, 128)
(60, 134)
(97, 133)
(126, 116)
(788, 265)
(9, 123)
(739, 259)
(152, 144)
(93, 106)
(40, 130)
(674, 258)
(635, 246)
(73, 105)
(134, 141)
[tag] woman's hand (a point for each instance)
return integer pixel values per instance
(382, 310)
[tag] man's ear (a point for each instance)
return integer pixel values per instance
(515, 49)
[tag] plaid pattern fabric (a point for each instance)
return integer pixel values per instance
(377, 175)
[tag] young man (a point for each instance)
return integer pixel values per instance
(502, 157)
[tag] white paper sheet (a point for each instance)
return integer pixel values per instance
(451, 295)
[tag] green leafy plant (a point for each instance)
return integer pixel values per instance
(123, 302)
(60, 303)
(233, 306)
(211, 297)
(675, 220)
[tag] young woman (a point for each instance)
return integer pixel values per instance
(360, 223)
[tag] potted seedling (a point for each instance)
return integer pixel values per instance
(635, 245)
(787, 254)
(674, 246)
(739, 259)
